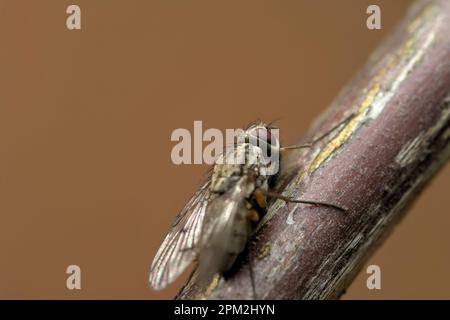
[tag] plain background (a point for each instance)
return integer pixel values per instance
(86, 116)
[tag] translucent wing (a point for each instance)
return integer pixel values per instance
(225, 231)
(178, 249)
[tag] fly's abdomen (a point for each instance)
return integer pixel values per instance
(223, 245)
(237, 240)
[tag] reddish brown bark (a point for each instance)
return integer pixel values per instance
(374, 165)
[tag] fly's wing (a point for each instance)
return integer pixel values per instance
(225, 231)
(178, 249)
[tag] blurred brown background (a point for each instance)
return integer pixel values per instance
(86, 117)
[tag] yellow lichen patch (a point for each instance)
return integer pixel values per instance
(407, 48)
(405, 52)
(347, 131)
(264, 251)
(213, 285)
(419, 20)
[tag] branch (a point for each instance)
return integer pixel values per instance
(374, 165)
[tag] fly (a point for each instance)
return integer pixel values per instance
(216, 224)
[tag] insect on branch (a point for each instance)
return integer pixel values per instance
(395, 141)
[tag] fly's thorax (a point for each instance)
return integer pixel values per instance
(257, 147)
(243, 159)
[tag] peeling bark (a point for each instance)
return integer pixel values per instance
(374, 165)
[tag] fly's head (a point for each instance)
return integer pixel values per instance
(256, 148)
(264, 134)
(266, 138)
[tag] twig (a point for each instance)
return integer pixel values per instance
(375, 166)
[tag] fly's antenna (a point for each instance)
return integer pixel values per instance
(271, 124)
(313, 202)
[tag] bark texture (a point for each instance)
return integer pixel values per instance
(374, 165)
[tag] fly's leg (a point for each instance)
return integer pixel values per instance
(257, 206)
(310, 144)
(313, 202)
(252, 277)
(253, 215)
(193, 275)
(260, 199)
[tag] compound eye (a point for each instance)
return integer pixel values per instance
(264, 135)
